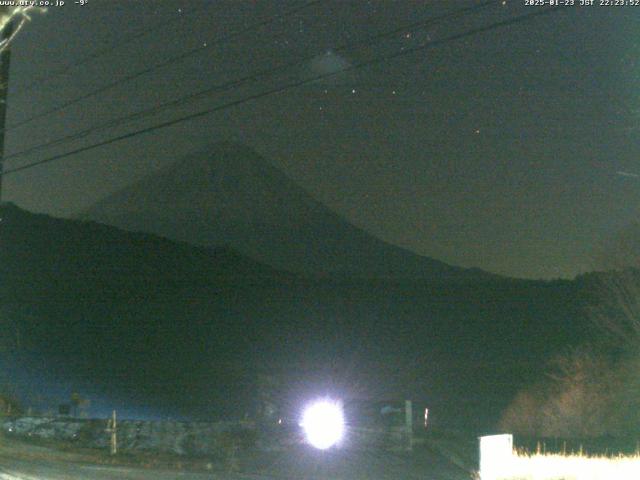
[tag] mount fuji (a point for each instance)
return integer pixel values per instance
(228, 195)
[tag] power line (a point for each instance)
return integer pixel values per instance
(108, 49)
(288, 86)
(170, 61)
(249, 78)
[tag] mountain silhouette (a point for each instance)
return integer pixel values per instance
(228, 195)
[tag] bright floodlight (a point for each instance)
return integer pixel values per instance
(323, 424)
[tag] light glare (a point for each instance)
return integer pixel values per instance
(323, 424)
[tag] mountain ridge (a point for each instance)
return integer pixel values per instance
(229, 195)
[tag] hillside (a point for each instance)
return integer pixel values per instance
(185, 330)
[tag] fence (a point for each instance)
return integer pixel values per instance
(180, 438)
(193, 438)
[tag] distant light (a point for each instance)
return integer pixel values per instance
(323, 424)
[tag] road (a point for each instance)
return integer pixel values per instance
(11, 469)
(51, 470)
(22, 461)
(28, 462)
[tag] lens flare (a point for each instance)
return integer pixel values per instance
(323, 424)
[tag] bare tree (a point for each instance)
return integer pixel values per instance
(582, 395)
(615, 310)
(594, 390)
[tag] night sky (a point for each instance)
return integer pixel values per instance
(514, 150)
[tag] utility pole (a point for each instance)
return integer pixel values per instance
(408, 423)
(112, 429)
(5, 60)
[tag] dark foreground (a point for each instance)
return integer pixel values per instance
(437, 460)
